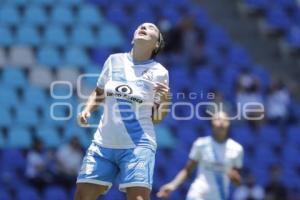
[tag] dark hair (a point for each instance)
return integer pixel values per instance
(161, 45)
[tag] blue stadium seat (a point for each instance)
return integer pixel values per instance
(201, 17)
(9, 15)
(89, 15)
(206, 78)
(293, 135)
(83, 36)
(26, 193)
(19, 138)
(35, 15)
(292, 36)
(43, 2)
(238, 56)
(261, 175)
(8, 96)
(270, 135)
(110, 36)
(2, 144)
(265, 157)
(230, 75)
(290, 178)
(55, 192)
(142, 14)
(277, 19)
(217, 36)
(53, 119)
(164, 137)
(70, 2)
(257, 4)
(26, 116)
(48, 56)
(244, 135)
(49, 136)
(171, 14)
(6, 118)
(6, 36)
(296, 16)
(286, 4)
(4, 195)
(17, 2)
(179, 78)
(8, 164)
(289, 155)
(55, 35)
(117, 15)
(34, 97)
(74, 131)
(99, 55)
(28, 35)
(76, 56)
(14, 77)
(62, 15)
(263, 76)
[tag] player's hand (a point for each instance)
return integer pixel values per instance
(234, 176)
(165, 190)
(162, 89)
(82, 118)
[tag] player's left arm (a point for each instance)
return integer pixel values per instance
(235, 176)
(161, 107)
(235, 172)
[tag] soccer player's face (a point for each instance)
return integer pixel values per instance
(220, 123)
(147, 32)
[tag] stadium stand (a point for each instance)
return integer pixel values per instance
(46, 40)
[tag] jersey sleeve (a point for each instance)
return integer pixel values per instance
(103, 77)
(164, 78)
(238, 162)
(195, 152)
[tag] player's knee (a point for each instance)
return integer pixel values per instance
(140, 198)
(83, 192)
(138, 194)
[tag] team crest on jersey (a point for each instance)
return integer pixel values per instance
(147, 74)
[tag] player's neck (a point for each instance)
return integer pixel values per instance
(140, 53)
(219, 139)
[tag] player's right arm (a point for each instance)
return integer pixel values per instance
(94, 100)
(182, 175)
(97, 96)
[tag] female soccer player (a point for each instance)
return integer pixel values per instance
(130, 87)
(219, 160)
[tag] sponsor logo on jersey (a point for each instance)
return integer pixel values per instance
(124, 92)
(124, 89)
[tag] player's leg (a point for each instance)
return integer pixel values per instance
(136, 172)
(138, 193)
(89, 191)
(96, 174)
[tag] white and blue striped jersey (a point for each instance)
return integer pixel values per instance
(129, 98)
(214, 163)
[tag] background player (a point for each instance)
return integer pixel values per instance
(124, 144)
(219, 161)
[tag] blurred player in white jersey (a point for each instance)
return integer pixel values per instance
(219, 161)
(130, 87)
